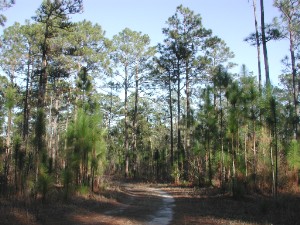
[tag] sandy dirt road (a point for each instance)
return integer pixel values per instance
(146, 205)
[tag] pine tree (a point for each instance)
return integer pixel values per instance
(186, 36)
(132, 51)
(290, 19)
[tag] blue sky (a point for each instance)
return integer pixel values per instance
(231, 20)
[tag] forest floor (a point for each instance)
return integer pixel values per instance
(152, 204)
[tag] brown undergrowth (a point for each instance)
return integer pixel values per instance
(208, 206)
(135, 204)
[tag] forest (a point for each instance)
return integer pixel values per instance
(77, 107)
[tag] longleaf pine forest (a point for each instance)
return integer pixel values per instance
(77, 107)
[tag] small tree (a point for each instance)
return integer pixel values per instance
(86, 149)
(293, 158)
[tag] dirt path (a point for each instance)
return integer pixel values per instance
(164, 215)
(146, 205)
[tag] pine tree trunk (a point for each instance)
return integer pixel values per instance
(8, 136)
(273, 171)
(26, 107)
(126, 142)
(222, 145)
(295, 81)
(179, 148)
(209, 160)
(233, 152)
(171, 121)
(257, 46)
(264, 42)
(188, 124)
(254, 153)
(50, 138)
(135, 121)
(246, 153)
(55, 145)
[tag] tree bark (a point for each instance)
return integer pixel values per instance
(295, 80)
(264, 43)
(222, 143)
(188, 123)
(126, 142)
(135, 121)
(257, 46)
(26, 108)
(171, 120)
(179, 148)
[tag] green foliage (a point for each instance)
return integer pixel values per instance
(17, 142)
(176, 174)
(3, 5)
(10, 97)
(55, 13)
(68, 176)
(83, 190)
(40, 132)
(131, 46)
(45, 181)
(87, 147)
(88, 47)
(84, 80)
(293, 155)
(227, 160)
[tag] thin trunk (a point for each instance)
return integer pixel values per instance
(126, 142)
(16, 169)
(135, 123)
(257, 46)
(188, 124)
(50, 124)
(8, 137)
(209, 159)
(295, 81)
(264, 42)
(238, 141)
(273, 171)
(110, 108)
(222, 145)
(171, 120)
(178, 119)
(93, 178)
(276, 149)
(246, 152)
(233, 166)
(26, 108)
(65, 142)
(254, 152)
(43, 75)
(55, 134)
(9, 116)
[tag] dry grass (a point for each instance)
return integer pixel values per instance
(134, 205)
(208, 206)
